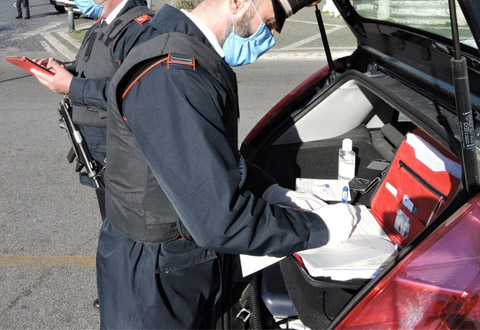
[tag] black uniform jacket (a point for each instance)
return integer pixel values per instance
(175, 114)
(93, 92)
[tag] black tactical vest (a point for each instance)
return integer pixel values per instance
(95, 60)
(135, 202)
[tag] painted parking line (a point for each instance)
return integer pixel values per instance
(313, 53)
(12, 260)
(299, 21)
(302, 42)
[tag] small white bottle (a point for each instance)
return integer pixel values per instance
(346, 161)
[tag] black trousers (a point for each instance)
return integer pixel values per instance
(170, 285)
(26, 6)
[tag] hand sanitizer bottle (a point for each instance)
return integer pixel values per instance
(346, 161)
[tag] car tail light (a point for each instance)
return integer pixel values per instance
(436, 286)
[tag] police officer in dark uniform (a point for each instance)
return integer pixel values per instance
(103, 49)
(178, 192)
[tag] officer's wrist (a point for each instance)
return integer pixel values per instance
(75, 92)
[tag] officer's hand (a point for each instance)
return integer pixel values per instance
(59, 82)
(340, 219)
(43, 61)
(290, 198)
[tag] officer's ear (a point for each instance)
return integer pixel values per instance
(238, 7)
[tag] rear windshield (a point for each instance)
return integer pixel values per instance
(428, 15)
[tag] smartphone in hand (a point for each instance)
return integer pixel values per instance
(27, 64)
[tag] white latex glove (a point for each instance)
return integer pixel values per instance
(340, 219)
(290, 198)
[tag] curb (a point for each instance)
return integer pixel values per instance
(63, 43)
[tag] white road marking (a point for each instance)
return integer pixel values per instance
(306, 54)
(312, 38)
(59, 46)
(73, 41)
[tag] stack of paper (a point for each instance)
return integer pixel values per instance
(361, 256)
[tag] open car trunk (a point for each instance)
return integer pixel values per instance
(376, 112)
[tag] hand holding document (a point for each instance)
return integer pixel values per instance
(341, 220)
(278, 195)
(360, 256)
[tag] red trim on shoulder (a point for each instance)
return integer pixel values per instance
(142, 19)
(170, 61)
(141, 75)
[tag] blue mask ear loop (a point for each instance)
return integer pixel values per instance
(256, 11)
(233, 16)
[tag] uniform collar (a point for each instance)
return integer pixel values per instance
(115, 12)
(212, 38)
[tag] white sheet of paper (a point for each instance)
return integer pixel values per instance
(432, 158)
(361, 255)
(252, 264)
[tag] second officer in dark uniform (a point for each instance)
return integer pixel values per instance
(105, 45)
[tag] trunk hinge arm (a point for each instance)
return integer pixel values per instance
(464, 108)
(328, 54)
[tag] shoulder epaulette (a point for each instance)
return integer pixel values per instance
(169, 60)
(142, 19)
(181, 60)
(120, 23)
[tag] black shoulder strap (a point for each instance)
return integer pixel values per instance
(88, 33)
(164, 44)
(89, 40)
(123, 21)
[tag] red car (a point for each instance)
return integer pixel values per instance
(415, 73)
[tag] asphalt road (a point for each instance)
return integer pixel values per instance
(48, 222)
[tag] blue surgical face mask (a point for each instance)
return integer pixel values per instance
(243, 51)
(89, 8)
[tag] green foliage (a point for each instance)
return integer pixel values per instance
(186, 4)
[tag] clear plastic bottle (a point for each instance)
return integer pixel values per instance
(346, 161)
